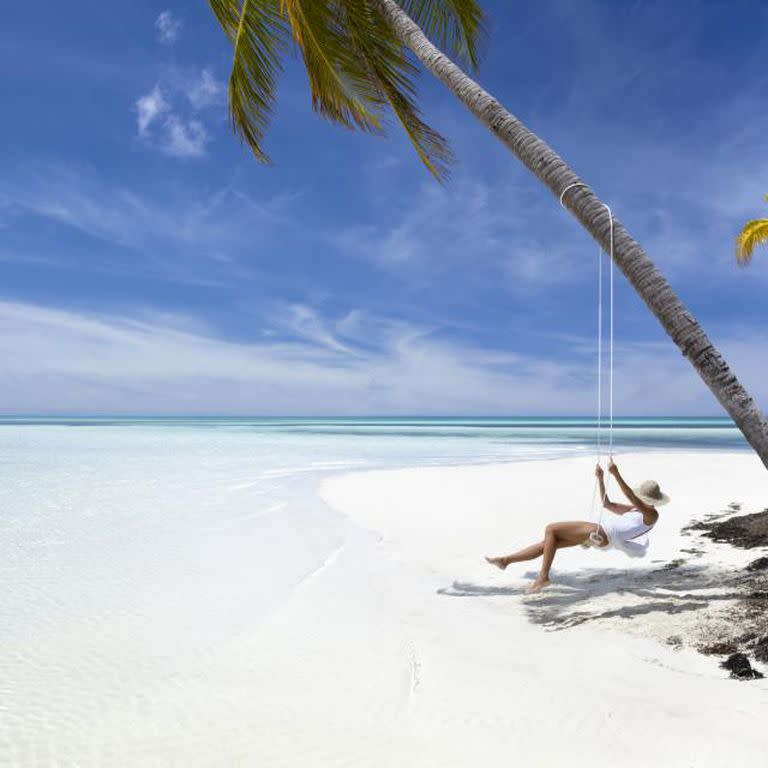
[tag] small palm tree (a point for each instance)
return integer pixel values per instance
(357, 55)
(754, 233)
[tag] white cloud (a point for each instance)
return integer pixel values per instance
(183, 139)
(70, 361)
(162, 127)
(149, 107)
(305, 323)
(167, 27)
(63, 361)
(159, 127)
(205, 91)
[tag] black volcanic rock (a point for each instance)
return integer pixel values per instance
(740, 668)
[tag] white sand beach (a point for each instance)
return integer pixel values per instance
(408, 649)
(401, 647)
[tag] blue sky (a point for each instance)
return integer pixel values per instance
(150, 265)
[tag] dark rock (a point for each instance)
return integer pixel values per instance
(696, 527)
(758, 565)
(719, 649)
(761, 649)
(746, 531)
(740, 668)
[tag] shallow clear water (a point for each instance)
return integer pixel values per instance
(133, 550)
(433, 439)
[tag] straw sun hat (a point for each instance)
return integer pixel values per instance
(650, 493)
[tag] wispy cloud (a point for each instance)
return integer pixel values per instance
(161, 122)
(167, 27)
(205, 90)
(156, 368)
(168, 227)
(468, 225)
(162, 129)
(305, 323)
(157, 363)
(149, 108)
(183, 139)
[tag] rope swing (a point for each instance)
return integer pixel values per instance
(594, 537)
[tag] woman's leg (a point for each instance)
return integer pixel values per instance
(557, 536)
(529, 553)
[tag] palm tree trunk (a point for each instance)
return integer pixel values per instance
(584, 204)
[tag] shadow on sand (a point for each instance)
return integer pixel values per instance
(575, 598)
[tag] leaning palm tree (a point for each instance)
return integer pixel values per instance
(754, 233)
(357, 55)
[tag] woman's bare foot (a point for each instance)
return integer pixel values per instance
(538, 585)
(500, 562)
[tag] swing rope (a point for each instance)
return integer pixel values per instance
(599, 438)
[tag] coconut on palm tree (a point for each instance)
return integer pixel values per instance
(753, 234)
(357, 55)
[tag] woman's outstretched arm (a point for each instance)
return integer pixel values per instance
(619, 509)
(628, 492)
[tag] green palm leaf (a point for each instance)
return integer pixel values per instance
(341, 86)
(259, 35)
(393, 73)
(456, 26)
(357, 68)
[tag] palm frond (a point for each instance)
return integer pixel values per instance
(357, 68)
(227, 13)
(341, 86)
(457, 26)
(393, 73)
(259, 35)
(754, 234)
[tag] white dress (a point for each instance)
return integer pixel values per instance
(627, 532)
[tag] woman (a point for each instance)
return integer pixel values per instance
(624, 530)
